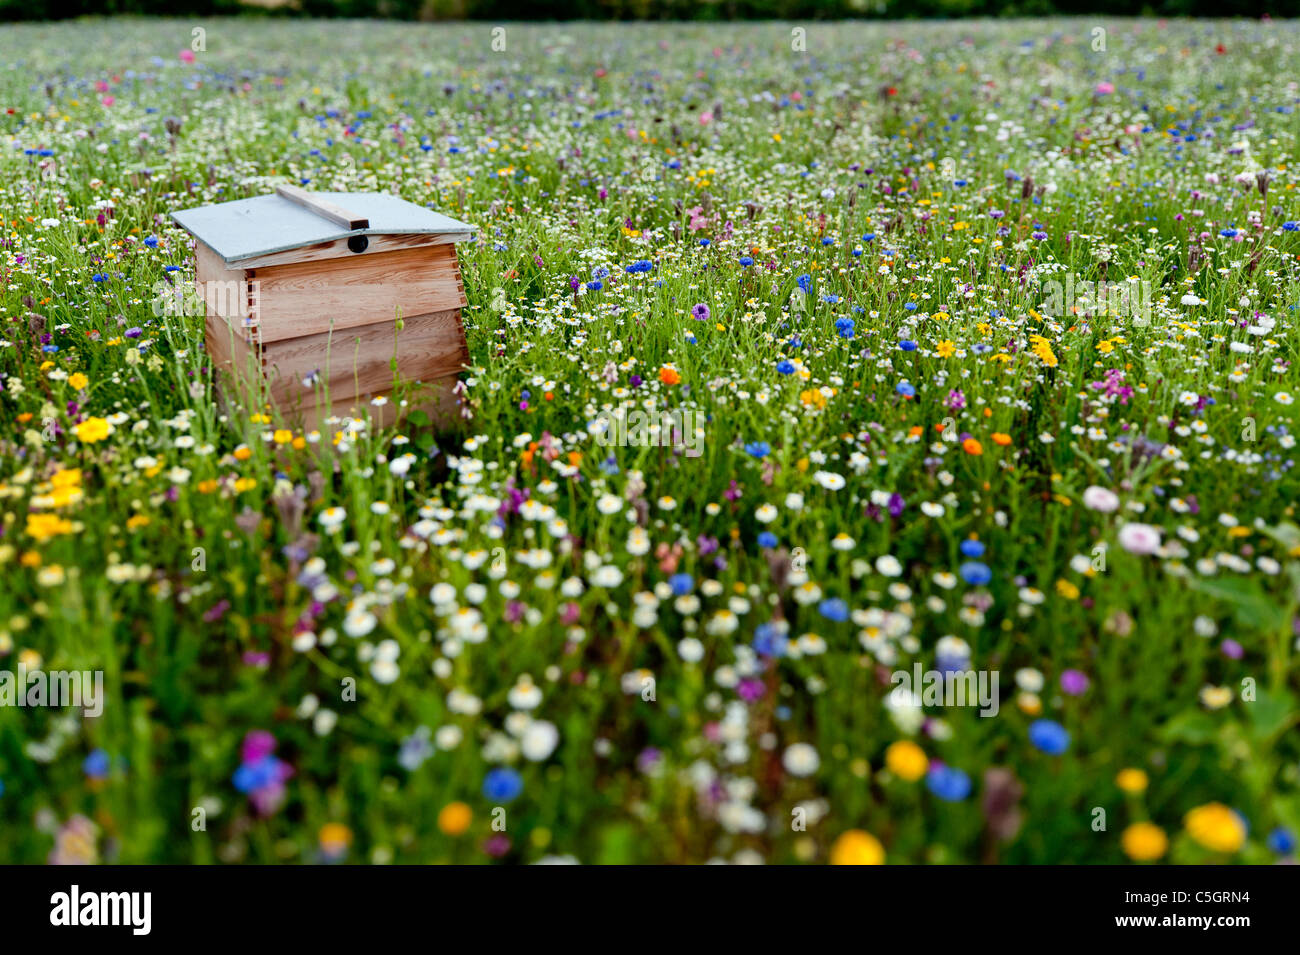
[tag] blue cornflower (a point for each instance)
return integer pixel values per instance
(250, 777)
(96, 765)
(502, 785)
(767, 540)
(905, 389)
(833, 608)
(641, 265)
(595, 286)
(758, 449)
(1291, 226)
(844, 327)
(975, 573)
(972, 548)
(948, 783)
(682, 584)
(1049, 736)
(769, 641)
(1281, 840)
(746, 261)
(785, 366)
(804, 282)
(907, 345)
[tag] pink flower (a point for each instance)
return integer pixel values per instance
(1141, 539)
(706, 117)
(1105, 89)
(1100, 499)
(108, 101)
(187, 56)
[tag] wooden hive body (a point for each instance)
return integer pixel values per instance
(306, 313)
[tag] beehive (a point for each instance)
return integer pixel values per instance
(302, 293)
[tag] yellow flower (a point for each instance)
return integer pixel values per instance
(92, 430)
(1144, 842)
(282, 436)
(45, 526)
(1043, 349)
(1216, 827)
(906, 760)
(945, 349)
(335, 838)
(856, 847)
(78, 381)
(1131, 780)
(454, 818)
(137, 520)
(66, 477)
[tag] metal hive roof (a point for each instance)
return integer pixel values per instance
(262, 225)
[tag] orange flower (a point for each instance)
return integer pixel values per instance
(1001, 439)
(971, 446)
(669, 376)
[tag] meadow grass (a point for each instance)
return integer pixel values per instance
(511, 642)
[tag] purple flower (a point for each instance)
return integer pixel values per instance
(1074, 682)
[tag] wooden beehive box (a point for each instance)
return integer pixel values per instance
(302, 292)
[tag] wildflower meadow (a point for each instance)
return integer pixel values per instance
(877, 446)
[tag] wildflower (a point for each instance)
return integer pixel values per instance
(502, 785)
(1100, 499)
(1216, 827)
(856, 847)
(1131, 780)
(1144, 842)
(92, 430)
(801, 759)
(1140, 539)
(261, 776)
(948, 783)
(334, 839)
(906, 760)
(1049, 736)
(454, 818)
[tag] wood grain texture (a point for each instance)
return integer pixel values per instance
(308, 298)
(224, 290)
(323, 207)
(358, 361)
(338, 249)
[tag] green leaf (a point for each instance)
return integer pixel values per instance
(1190, 726)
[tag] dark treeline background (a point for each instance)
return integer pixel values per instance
(647, 9)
